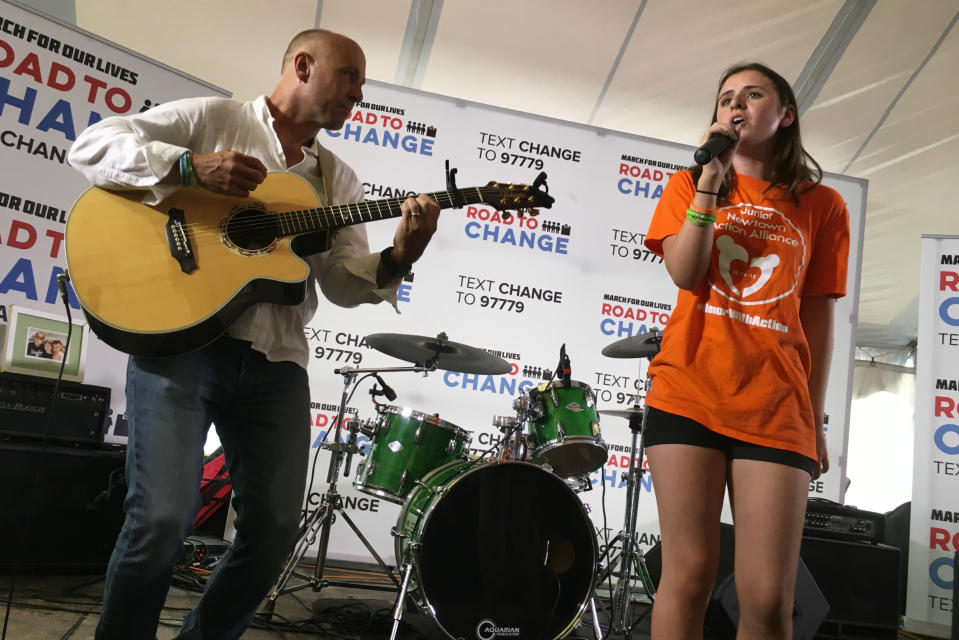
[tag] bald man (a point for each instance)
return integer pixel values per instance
(252, 381)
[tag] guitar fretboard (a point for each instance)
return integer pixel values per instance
(341, 215)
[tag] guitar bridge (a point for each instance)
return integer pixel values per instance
(178, 239)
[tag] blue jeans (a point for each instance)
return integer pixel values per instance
(261, 413)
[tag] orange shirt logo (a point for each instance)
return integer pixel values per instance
(759, 255)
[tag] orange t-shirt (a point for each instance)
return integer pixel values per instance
(734, 357)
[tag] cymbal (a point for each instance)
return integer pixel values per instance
(643, 345)
(446, 355)
(623, 413)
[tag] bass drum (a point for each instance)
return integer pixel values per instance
(501, 548)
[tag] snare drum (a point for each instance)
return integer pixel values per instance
(501, 544)
(564, 431)
(407, 445)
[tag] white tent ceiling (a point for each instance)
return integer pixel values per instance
(876, 80)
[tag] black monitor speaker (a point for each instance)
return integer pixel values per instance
(61, 506)
(722, 616)
(844, 590)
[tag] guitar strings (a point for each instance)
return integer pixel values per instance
(268, 220)
(325, 215)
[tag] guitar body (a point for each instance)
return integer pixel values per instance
(168, 279)
(146, 295)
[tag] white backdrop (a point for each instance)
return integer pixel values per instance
(934, 520)
(588, 250)
(585, 253)
(54, 81)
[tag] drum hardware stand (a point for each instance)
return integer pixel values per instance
(631, 560)
(522, 417)
(321, 519)
(597, 630)
(512, 432)
(401, 596)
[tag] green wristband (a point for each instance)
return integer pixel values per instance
(700, 219)
(187, 175)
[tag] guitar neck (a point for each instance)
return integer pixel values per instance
(342, 215)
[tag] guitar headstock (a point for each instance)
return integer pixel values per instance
(522, 198)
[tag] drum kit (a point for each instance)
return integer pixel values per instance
(497, 544)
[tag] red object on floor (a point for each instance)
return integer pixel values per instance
(215, 488)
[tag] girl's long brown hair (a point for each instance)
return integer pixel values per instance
(792, 165)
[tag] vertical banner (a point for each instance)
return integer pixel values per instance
(934, 524)
(576, 275)
(55, 80)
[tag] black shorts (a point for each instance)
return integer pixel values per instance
(668, 428)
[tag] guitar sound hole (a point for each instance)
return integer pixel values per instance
(252, 230)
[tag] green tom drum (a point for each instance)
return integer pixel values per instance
(498, 544)
(407, 445)
(564, 432)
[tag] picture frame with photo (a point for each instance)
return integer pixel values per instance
(35, 342)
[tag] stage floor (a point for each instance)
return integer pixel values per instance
(62, 607)
(67, 607)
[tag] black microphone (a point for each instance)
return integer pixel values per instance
(712, 148)
(564, 365)
(387, 389)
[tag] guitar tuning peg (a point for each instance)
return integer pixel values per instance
(509, 185)
(525, 187)
(516, 200)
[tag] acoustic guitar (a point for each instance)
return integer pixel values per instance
(170, 278)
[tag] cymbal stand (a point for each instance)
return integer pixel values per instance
(320, 521)
(630, 558)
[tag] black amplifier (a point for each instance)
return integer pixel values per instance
(78, 416)
(827, 519)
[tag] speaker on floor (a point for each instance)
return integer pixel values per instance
(896, 534)
(722, 615)
(61, 506)
(861, 582)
